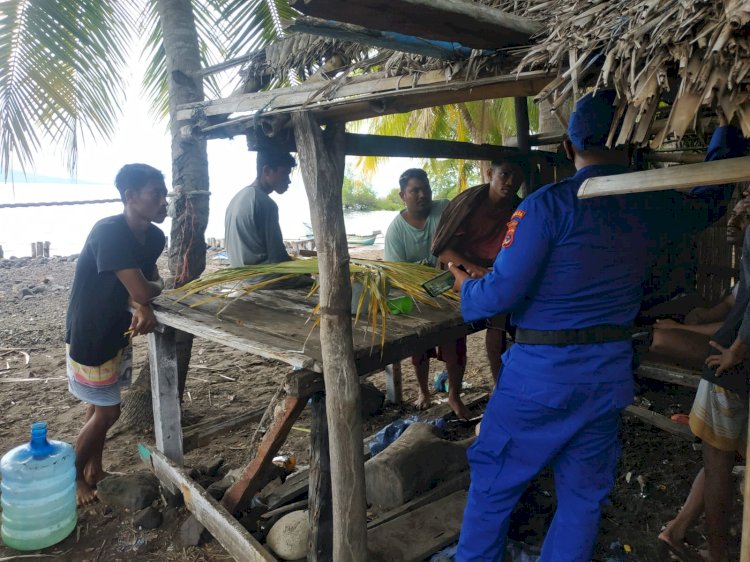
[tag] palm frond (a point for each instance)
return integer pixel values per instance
(61, 69)
(375, 278)
(255, 23)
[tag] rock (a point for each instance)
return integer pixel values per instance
(130, 491)
(39, 289)
(212, 467)
(24, 292)
(288, 538)
(190, 533)
(372, 400)
(149, 518)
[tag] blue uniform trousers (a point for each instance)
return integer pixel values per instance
(529, 425)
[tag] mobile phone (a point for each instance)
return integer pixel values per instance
(439, 284)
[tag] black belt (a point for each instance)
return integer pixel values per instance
(594, 334)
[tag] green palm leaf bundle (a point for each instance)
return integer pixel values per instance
(374, 277)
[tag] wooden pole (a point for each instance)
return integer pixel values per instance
(320, 548)
(321, 156)
(745, 548)
(522, 138)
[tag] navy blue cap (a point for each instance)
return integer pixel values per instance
(591, 120)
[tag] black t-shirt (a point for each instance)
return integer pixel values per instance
(98, 314)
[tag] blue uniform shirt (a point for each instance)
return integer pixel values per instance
(568, 263)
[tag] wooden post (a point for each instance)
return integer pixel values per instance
(522, 137)
(39, 249)
(320, 547)
(165, 396)
(46, 249)
(321, 158)
(393, 386)
(745, 548)
(33, 249)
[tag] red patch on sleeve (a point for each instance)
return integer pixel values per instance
(512, 225)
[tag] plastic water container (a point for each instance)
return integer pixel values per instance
(38, 492)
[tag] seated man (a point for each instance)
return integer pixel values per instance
(409, 239)
(472, 230)
(686, 344)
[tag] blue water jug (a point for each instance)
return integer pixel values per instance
(38, 492)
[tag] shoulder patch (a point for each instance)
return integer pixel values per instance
(512, 225)
(518, 215)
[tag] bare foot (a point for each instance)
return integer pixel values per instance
(423, 402)
(676, 545)
(94, 477)
(85, 495)
(458, 407)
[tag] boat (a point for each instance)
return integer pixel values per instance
(362, 240)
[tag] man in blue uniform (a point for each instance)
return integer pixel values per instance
(570, 273)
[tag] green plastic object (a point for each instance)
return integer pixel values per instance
(401, 305)
(38, 492)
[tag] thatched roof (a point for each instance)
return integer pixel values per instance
(690, 54)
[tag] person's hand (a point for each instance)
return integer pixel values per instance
(144, 321)
(475, 270)
(724, 360)
(460, 276)
(667, 324)
(696, 316)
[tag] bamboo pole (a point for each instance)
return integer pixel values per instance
(321, 156)
(717, 172)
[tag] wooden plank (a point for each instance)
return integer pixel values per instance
(731, 170)
(370, 87)
(320, 545)
(670, 374)
(537, 139)
(471, 24)
(662, 422)
(201, 325)
(458, 482)
(419, 533)
(281, 414)
(203, 433)
(226, 529)
(165, 394)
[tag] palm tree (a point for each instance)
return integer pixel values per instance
(489, 122)
(62, 66)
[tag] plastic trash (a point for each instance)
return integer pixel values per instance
(38, 492)
(400, 305)
(393, 431)
(440, 381)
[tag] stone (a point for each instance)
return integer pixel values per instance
(212, 467)
(191, 532)
(130, 491)
(39, 289)
(288, 537)
(148, 518)
(372, 400)
(24, 292)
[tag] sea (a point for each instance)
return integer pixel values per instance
(66, 227)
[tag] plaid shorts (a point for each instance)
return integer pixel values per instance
(719, 417)
(100, 385)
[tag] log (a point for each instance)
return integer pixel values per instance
(413, 464)
(669, 374)
(226, 529)
(717, 172)
(321, 158)
(471, 24)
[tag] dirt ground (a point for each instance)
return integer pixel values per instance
(653, 479)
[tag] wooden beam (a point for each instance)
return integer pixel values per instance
(377, 91)
(731, 170)
(385, 39)
(669, 374)
(320, 542)
(204, 432)
(226, 529)
(662, 422)
(401, 147)
(538, 139)
(321, 156)
(165, 394)
(470, 24)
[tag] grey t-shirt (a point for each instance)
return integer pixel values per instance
(405, 243)
(251, 229)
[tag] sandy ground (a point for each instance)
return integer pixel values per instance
(33, 387)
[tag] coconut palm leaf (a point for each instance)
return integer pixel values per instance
(254, 23)
(61, 65)
(375, 277)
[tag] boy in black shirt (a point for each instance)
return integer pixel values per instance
(116, 268)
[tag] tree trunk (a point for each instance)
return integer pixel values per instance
(187, 251)
(321, 157)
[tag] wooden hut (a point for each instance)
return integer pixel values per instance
(348, 60)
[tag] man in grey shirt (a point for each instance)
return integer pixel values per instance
(252, 231)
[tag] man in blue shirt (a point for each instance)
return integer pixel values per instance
(571, 274)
